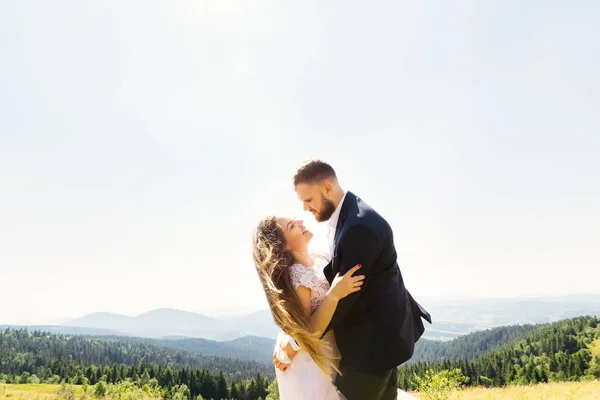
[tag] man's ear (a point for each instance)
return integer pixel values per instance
(327, 187)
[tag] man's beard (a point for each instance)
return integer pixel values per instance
(326, 211)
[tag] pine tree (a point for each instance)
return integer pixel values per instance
(123, 372)
(145, 378)
(222, 390)
(234, 392)
(209, 386)
(113, 374)
(243, 392)
(166, 379)
(89, 373)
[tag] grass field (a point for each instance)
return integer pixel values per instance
(549, 391)
(33, 392)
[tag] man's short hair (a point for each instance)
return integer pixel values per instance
(314, 171)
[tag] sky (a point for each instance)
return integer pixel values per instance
(142, 141)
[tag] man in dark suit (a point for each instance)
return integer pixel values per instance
(375, 328)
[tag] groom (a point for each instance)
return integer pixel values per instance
(375, 328)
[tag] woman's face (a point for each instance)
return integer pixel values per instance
(296, 235)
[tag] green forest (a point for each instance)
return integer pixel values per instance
(559, 351)
(34, 357)
(562, 351)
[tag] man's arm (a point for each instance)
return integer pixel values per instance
(285, 351)
(359, 245)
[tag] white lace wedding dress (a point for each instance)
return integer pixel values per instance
(303, 379)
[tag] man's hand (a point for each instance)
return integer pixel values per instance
(289, 352)
(278, 364)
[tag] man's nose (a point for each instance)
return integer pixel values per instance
(306, 207)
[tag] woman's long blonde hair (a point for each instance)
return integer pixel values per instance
(272, 261)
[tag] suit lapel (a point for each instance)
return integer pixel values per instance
(350, 198)
(329, 269)
(328, 272)
(341, 219)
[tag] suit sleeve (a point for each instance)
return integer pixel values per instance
(359, 245)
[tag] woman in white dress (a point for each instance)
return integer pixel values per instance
(302, 304)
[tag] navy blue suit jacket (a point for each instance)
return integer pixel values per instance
(377, 327)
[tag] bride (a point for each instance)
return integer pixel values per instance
(302, 304)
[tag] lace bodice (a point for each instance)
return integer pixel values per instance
(312, 278)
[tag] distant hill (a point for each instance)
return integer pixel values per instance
(521, 354)
(260, 349)
(156, 323)
(249, 348)
(469, 346)
(43, 348)
(253, 348)
(66, 330)
(168, 322)
(501, 312)
(28, 356)
(524, 354)
(451, 319)
(563, 350)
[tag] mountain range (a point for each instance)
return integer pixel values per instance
(454, 318)
(451, 319)
(172, 323)
(520, 354)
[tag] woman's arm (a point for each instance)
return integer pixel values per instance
(340, 288)
(319, 320)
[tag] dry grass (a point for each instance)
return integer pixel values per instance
(33, 392)
(549, 391)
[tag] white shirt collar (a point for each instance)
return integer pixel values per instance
(332, 223)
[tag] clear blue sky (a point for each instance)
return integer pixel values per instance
(141, 141)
